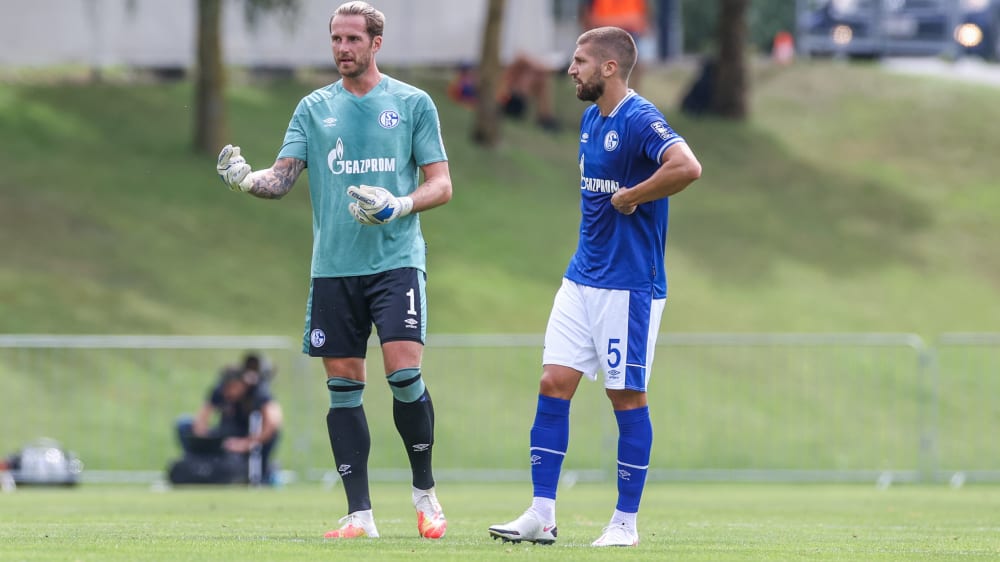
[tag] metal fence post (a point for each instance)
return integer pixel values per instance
(927, 369)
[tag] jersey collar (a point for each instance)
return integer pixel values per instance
(628, 95)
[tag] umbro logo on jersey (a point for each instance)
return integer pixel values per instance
(410, 323)
(330, 122)
(584, 138)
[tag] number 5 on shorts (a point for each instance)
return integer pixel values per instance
(614, 355)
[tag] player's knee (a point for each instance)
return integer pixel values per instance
(407, 385)
(624, 399)
(344, 393)
(554, 387)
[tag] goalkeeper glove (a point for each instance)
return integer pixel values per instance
(376, 205)
(233, 169)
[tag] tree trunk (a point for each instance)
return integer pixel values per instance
(730, 97)
(486, 129)
(210, 80)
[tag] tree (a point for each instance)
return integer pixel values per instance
(730, 96)
(764, 19)
(210, 128)
(210, 79)
(486, 128)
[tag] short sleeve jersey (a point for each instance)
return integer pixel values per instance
(379, 139)
(617, 251)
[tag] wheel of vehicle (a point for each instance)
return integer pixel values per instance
(993, 33)
(995, 55)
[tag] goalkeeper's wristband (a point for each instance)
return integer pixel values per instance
(246, 183)
(397, 207)
(405, 205)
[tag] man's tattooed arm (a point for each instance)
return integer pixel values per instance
(276, 181)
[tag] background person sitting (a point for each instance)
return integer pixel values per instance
(526, 80)
(247, 425)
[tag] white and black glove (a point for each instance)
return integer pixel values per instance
(376, 205)
(233, 169)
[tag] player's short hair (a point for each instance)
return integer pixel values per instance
(612, 43)
(374, 19)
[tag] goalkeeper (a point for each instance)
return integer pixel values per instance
(366, 139)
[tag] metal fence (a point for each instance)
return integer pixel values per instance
(781, 407)
(967, 406)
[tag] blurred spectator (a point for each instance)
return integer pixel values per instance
(462, 88)
(698, 99)
(630, 15)
(526, 80)
(783, 48)
(247, 423)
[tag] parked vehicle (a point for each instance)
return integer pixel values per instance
(979, 32)
(876, 28)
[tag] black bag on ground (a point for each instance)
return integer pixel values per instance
(208, 469)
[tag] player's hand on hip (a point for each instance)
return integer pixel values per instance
(376, 205)
(618, 202)
(233, 169)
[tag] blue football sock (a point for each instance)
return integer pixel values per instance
(635, 439)
(549, 440)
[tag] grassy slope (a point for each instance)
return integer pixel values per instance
(851, 201)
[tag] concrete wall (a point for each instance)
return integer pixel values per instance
(161, 33)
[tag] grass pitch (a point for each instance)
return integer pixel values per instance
(677, 522)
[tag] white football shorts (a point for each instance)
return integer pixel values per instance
(607, 329)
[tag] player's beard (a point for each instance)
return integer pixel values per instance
(361, 64)
(591, 90)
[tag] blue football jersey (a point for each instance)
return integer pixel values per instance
(617, 251)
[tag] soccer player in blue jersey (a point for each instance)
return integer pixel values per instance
(366, 139)
(606, 315)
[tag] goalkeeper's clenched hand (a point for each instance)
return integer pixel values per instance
(376, 205)
(233, 169)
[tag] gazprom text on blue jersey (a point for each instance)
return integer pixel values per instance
(598, 185)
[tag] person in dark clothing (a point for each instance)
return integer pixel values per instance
(247, 419)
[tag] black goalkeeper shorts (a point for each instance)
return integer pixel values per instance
(341, 311)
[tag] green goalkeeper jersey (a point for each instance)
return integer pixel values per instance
(380, 139)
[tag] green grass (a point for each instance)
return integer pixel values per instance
(852, 200)
(722, 408)
(677, 522)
